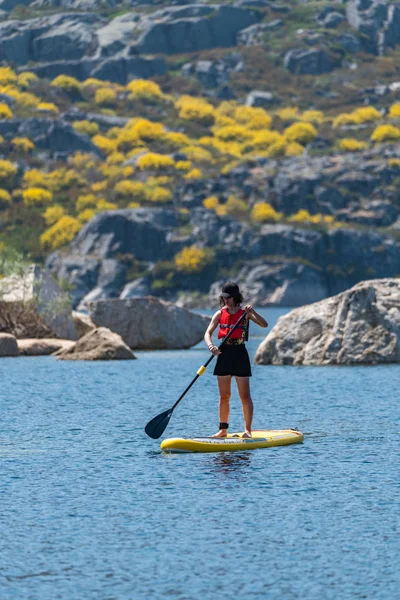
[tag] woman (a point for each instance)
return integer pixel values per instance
(233, 359)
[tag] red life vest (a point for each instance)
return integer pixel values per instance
(226, 322)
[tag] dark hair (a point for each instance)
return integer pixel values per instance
(231, 289)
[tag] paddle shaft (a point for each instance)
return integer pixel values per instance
(203, 368)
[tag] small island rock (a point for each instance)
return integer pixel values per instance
(98, 344)
(8, 345)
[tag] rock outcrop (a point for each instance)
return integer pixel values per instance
(148, 323)
(98, 344)
(34, 305)
(43, 346)
(358, 326)
(8, 345)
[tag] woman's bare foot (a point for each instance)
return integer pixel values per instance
(246, 434)
(221, 433)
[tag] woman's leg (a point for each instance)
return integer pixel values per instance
(243, 384)
(224, 386)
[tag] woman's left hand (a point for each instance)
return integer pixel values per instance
(249, 309)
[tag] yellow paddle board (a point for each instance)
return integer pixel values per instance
(234, 441)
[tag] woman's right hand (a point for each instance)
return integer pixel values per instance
(214, 350)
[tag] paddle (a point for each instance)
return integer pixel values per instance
(156, 427)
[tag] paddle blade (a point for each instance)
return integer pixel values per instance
(156, 427)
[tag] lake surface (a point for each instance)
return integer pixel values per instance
(91, 510)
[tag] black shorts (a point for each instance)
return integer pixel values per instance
(234, 360)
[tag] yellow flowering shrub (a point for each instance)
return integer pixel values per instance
(48, 107)
(385, 133)
(191, 259)
(365, 114)
(177, 139)
(193, 174)
(235, 207)
(195, 109)
(211, 202)
(253, 117)
(116, 158)
(67, 83)
(35, 196)
(290, 113)
(92, 82)
(197, 154)
(22, 144)
(102, 205)
(26, 78)
(351, 145)
(303, 216)
(157, 193)
(263, 212)
(262, 140)
(86, 127)
(183, 165)
(99, 186)
(82, 160)
(231, 148)
(107, 146)
(5, 199)
(144, 89)
(64, 179)
(394, 163)
(53, 213)
(394, 111)
(61, 233)
(24, 99)
(127, 140)
(86, 215)
(313, 116)
(105, 97)
(276, 149)
(5, 111)
(147, 130)
(34, 178)
(294, 149)
(223, 120)
(233, 133)
(7, 171)
(7, 76)
(153, 160)
(85, 201)
(130, 189)
(302, 133)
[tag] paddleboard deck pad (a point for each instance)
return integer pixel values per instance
(234, 442)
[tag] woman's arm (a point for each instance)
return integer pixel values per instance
(253, 315)
(210, 330)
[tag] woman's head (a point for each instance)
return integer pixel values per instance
(230, 290)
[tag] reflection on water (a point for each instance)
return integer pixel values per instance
(233, 461)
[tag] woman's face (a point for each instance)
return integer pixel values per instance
(229, 301)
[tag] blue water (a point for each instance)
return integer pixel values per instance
(91, 510)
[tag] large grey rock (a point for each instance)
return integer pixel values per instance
(53, 135)
(148, 323)
(140, 232)
(378, 22)
(193, 28)
(98, 344)
(314, 61)
(358, 326)
(8, 345)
